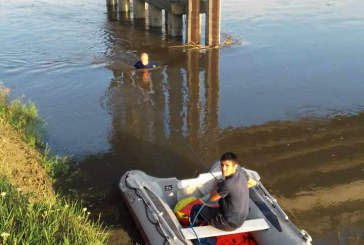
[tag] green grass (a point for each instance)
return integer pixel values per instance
(55, 166)
(23, 222)
(24, 118)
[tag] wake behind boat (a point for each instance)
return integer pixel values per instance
(151, 202)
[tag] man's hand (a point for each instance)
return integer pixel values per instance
(251, 182)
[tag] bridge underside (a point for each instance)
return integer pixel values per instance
(174, 11)
(178, 7)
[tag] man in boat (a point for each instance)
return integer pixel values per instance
(232, 194)
(144, 62)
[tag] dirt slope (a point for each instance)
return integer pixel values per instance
(22, 165)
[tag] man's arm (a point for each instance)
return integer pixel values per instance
(137, 65)
(214, 196)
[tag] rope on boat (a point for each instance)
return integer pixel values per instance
(228, 41)
(195, 155)
(193, 222)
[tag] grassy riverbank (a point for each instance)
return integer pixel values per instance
(30, 210)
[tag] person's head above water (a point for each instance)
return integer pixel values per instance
(229, 163)
(143, 62)
(144, 59)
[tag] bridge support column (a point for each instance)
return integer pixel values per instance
(213, 17)
(111, 3)
(112, 10)
(193, 21)
(175, 25)
(139, 9)
(124, 16)
(124, 5)
(154, 16)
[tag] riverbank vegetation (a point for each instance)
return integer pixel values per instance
(24, 119)
(30, 210)
(59, 222)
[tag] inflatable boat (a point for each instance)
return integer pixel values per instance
(151, 201)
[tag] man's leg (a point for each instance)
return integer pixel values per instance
(203, 213)
(195, 216)
(220, 223)
(211, 215)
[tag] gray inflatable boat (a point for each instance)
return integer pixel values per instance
(151, 201)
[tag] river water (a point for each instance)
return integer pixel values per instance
(287, 97)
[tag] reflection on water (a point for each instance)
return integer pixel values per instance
(156, 127)
(167, 106)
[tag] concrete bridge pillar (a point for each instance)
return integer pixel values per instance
(124, 16)
(154, 16)
(193, 21)
(124, 5)
(112, 9)
(139, 9)
(213, 18)
(175, 25)
(111, 2)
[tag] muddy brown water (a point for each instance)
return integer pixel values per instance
(287, 97)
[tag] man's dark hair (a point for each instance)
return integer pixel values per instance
(229, 156)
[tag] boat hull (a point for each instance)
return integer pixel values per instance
(151, 200)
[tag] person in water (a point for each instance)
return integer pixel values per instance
(144, 62)
(232, 194)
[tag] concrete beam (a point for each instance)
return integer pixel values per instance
(213, 20)
(176, 6)
(162, 4)
(193, 22)
(154, 16)
(124, 5)
(139, 9)
(175, 25)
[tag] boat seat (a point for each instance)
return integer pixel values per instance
(210, 231)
